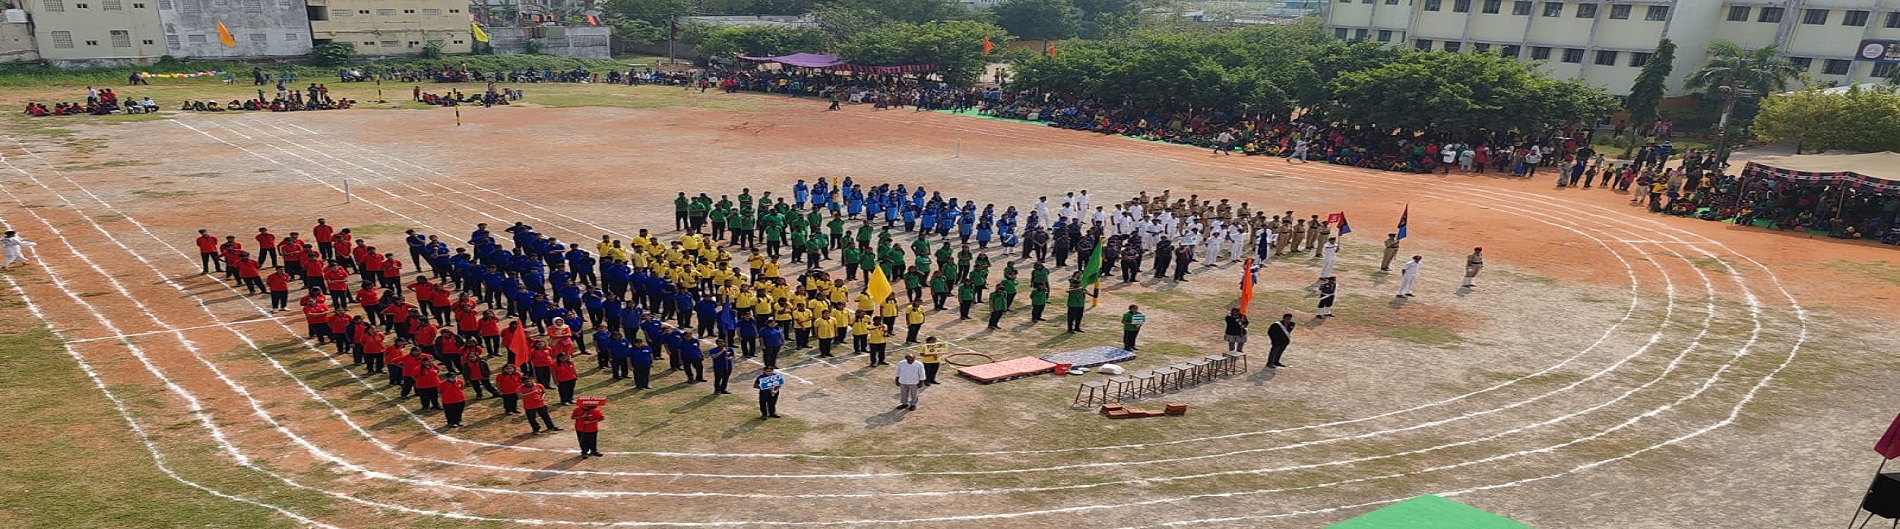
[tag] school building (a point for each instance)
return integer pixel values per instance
(128, 32)
(1606, 42)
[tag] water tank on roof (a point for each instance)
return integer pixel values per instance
(16, 16)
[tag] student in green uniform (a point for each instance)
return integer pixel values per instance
(939, 287)
(1077, 299)
(966, 296)
(1038, 298)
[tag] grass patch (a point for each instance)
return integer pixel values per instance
(1713, 264)
(153, 193)
(105, 165)
(50, 131)
(132, 118)
(1424, 335)
(1880, 271)
(603, 95)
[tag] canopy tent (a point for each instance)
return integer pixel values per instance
(1429, 512)
(1877, 173)
(819, 60)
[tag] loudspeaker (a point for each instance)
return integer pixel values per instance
(1883, 499)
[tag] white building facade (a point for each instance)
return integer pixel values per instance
(1605, 43)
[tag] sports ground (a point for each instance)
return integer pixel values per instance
(1614, 368)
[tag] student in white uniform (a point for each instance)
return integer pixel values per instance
(14, 248)
(1408, 276)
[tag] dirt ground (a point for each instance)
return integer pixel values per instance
(1614, 368)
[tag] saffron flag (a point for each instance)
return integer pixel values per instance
(516, 340)
(1247, 279)
(224, 36)
(592, 20)
(1052, 50)
(1403, 217)
(480, 36)
(877, 285)
(987, 46)
(1889, 445)
(1092, 274)
(1339, 219)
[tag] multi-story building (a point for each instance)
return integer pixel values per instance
(391, 27)
(1606, 42)
(96, 31)
(259, 28)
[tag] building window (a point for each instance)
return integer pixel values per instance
(121, 38)
(92, 43)
(1801, 63)
(254, 6)
(138, 6)
(1553, 9)
(1586, 10)
(111, 5)
(362, 11)
(385, 12)
(1434, 5)
(458, 42)
(1893, 20)
(1461, 6)
(1606, 58)
(1619, 12)
(63, 39)
(1453, 47)
(1638, 59)
(432, 12)
(391, 43)
(259, 38)
(1491, 7)
(1657, 14)
(1359, 34)
(409, 11)
(1738, 13)
(1771, 15)
(1814, 17)
(195, 39)
(1510, 50)
(1339, 33)
(291, 37)
(1835, 67)
(1573, 55)
(1385, 35)
(1883, 70)
(171, 41)
(80, 6)
(1855, 18)
(1540, 53)
(56, 6)
(1521, 7)
(1391, 2)
(1423, 44)
(455, 11)
(1481, 47)
(340, 13)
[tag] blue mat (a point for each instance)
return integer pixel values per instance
(1091, 357)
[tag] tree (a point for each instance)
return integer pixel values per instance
(1098, 19)
(762, 41)
(1859, 120)
(955, 46)
(1038, 19)
(1647, 93)
(1761, 70)
(332, 54)
(1463, 94)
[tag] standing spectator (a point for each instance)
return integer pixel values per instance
(207, 252)
(1408, 276)
(587, 429)
(1281, 334)
(267, 247)
(1131, 326)
(910, 379)
(1236, 334)
(534, 400)
(1328, 290)
(1473, 263)
(768, 383)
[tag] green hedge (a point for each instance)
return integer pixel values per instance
(42, 74)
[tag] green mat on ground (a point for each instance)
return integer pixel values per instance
(1429, 512)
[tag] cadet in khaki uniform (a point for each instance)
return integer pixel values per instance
(1324, 233)
(1312, 233)
(1473, 263)
(1391, 251)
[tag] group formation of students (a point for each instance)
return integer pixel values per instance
(535, 302)
(99, 102)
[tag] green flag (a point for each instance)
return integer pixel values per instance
(1092, 273)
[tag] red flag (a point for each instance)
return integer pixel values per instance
(1246, 286)
(1889, 445)
(987, 46)
(516, 340)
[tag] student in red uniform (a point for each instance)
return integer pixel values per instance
(208, 253)
(508, 381)
(230, 252)
(441, 305)
(541, 359)
(266, 246)
(565, 373)
(453, 400)
(534, 402)
(278, 283)
(341, 242)
(359, 252)
(336, 280)
(396, 317)
(448, 347)
(370, 265)
(292, 250)
(371, 300)
(428, 378)
(475, 369)
(490, 330)
(401, 364)
(317, 316)
(313, 269)
(424, 333)
(248, 274)
(339, 323)
(468, 323)
(373, 350)
(392, 272)
(587, 429)
(323, 232)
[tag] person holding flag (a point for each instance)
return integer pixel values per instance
(1328, 256)
(1077, 299)
(1092, 272)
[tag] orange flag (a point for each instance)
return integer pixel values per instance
(1247, 280)
(987, 46)
(224, 36)
(1052, 50)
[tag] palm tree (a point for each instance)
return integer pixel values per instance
(1760, 70)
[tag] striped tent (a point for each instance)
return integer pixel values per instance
(1876, 173)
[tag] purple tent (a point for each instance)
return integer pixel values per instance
(801, 60)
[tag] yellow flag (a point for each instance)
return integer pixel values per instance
(878, 286)
(480, 36)
(224, 36)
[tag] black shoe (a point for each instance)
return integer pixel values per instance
(775, 416)
(902, 406)
(913, 408)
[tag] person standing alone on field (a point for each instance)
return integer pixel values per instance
(1131, 326)
(587, 420)
(1236, 333)
(768, 383)
(910, 381)
(1473, 263)
(14, 248)
(1408, 276)
(1281, 335)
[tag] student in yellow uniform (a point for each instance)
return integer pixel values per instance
(802, 322)
(827, 330)
(860, 333)
(876, 338)
(756, 263)
(931, 356)
(913, 321)
(865, 303)
(887, 312)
